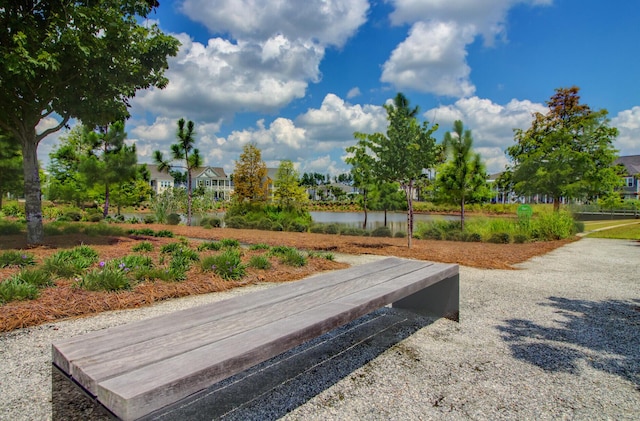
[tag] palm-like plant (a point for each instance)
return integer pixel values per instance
(184, 151)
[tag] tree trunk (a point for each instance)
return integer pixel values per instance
(385, 217)
(32, 190)
(188, 197)
(364, 208)
(556, 204)
(105, 212)
(408, 190)
(462, 215)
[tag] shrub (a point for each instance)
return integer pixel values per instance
(472, 237)
(132, 262)
(205, 222)
(280, 250)
(94, 217)
(293, 257)
(277, 226)
(227, 265)
(163, 233)
(105, 279)
(500, 238)
(381, 232)
(229, 242)
(14, 289)
(215, 222)
(259, 246)
(16, 258)
(432, 233)
(104, 229)
(578, 226)
(317, 228)
(149, 219)
(143, 246)
(453, 235)
(13, 209)
(332, 229)
(259, 262)
(550, 226)
(36, 277)
(353, 231)
(72, 215)
(265, 224)
(235, 222)
(297, 226)
(319, 255)
(209, 245)
(68, 263)
(173, 219)
(400, 234)
(520, 238)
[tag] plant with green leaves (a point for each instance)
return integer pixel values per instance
(566, 153)
(68, 263)
(43, 46)
(16, 258)
(12, 180)
(184, 151)
(144, 246)
(15, 289)
(404, 152)
(463, 177)
(288, 193)
(227, 265)
(259, 262)
(105, 279)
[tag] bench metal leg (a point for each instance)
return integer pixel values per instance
(440, 299)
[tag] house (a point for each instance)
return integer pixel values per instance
(159, 180)
(631, 187)
(212, 179)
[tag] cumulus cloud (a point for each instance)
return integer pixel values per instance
(628, 124)
(213, 81)
(433, 57)
(329, 22)
(491, 124)
(353, 92)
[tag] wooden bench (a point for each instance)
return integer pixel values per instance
(141, 367)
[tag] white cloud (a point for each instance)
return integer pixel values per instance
(628, 124)
(214, 81)
(433, 57)
(46, 145)
(328, 22)
(353, 92)
(491, 124)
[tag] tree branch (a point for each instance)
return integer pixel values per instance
(54, 129)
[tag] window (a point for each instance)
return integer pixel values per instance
(628, 181)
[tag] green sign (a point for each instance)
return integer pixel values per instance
(524, 211)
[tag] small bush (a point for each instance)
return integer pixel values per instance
(236, 222)
(317, 228)
(173, 219)
(259, 246)
(230, 242)
(294, 258)
(432, 233)
(277, 226)
(16, 258)
(353, 231)
(472, 237)
(149, 219)
(210, 245)
(297, 226)
(227, 265)
(170, 248)
(578, 226)
(520, 238)
(265, 224)
(259, 262)
(280, 250)
(94, 217)
(332, 229)
(68, 263)
(453, 236)
(319, 255)
(36, 277)
(381, 232)
(14, 289)
(72, 215)
(104, 230)
(163, 233)
(400, 234)
(143, 246)
(105, 279)
(500, 238)
(215, 222)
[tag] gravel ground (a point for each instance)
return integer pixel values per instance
(557, 339)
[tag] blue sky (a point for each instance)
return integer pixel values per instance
(299, 77)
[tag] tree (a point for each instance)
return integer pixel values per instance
(109, 161)
(250, 176)
(386, 197)
(72, 59)
(362, 172)
(11, 177)
(404, 152)
(182, 151)
(463, 177)
(288, 193)
(567, 152)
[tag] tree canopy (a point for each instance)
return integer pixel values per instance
(404, 152)
(566, 153)
(72, 59)
(250, 176)
(288, 193)
(462, 178)
(11, 177)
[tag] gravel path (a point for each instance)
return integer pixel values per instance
(558, 339)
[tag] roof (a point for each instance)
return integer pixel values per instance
(154, 174)
(630, 162)
(208, 172)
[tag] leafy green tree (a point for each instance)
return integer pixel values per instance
(250, 177)
(404, 152)
(72, 59)
(134, 191)
(182, 151)
(362, 173)
(110, 162)
(288, 193)
(11, 176)
(463, 177)
(66, 183)
(386, 197)
(567, 152)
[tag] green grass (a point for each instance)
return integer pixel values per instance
(628, 232)
(594, 225)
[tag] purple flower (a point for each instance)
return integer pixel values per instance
(121, 265)
(101, 264)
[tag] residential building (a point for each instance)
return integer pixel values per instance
(159, 180)
(631, 187)
(212, 179)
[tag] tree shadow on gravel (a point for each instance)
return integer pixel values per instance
(603, 334)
